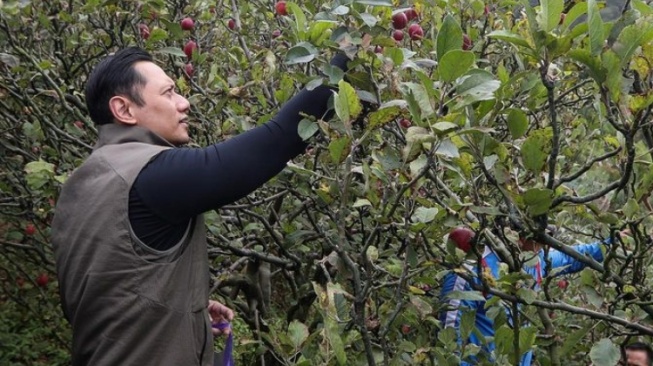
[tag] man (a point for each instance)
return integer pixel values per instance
(489, 264)
(128, 231)
(639, 354)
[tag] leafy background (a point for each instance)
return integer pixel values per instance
(338, 260)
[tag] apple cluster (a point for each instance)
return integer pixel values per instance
(401, 19)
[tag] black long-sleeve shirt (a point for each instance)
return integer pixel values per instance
(179, 184)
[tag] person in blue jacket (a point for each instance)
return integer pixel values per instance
(490, 263)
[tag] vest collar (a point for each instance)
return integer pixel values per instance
(115, 133)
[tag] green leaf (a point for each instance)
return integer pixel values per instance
(347, 104)
(593, 63)
(596, 30)
(450, 37)
(466, 295)
(337, 149)
(549, 15)
(369, 19)
(300, 19)
(175, 51)
(527, 337)
(527, 295)
(455, 64)
(631, 208)
(517, 123)
(334, 73)
(307, 128)
(374, 2)
(510, 37)
(572, 340)
(614, 80)
(395, 54)
(475, 86)
(301, 53)
(421, 96)
(538, 200)
(535, 150)
(425, 214)
(382, 116)
(605, 353)
(156, 35)
(573, 14)
(631, 38)
(297, 332)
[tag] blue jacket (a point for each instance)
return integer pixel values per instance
(483, 324)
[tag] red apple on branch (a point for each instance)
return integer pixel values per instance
(462, 237)
(187, 24)
(399, 21)
(280, 7)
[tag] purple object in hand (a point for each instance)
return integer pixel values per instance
(227, 354)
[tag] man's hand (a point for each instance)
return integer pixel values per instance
(221, 316)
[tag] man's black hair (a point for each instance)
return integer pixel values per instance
(641, 346)
(115, 75)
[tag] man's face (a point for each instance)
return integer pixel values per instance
(636, 358)
(164, 111)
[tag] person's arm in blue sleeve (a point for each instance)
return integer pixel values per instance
(559, 259)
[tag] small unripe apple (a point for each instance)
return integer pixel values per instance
(144, 30)
(378, 49)
(231, 24)
(562, 284)
(405, 123)
(276, 33)
(411, 14)
(462, 237)
(189, 48)
(187, 24)
(467, 42)
(43, 279)
(399, 21)
(189, 69)
(280, 7)
(30, 229)
(398, 35)
(415, 32)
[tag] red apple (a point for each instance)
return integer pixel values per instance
(462, 237)
(399, 21)
(276, 33)
(30, 229)
(378, 49)
(280, 7)
(189, 69)
(187, 24)
(79, 124)
(189, 48)
(212, 9)
(405, 329)
(231, 24)
(411, 14)
(405, 123)
(467, 42)
(398, 35)
(415, 32)
(42, 280)
(486, 11)
(144, 30)
(562, 284)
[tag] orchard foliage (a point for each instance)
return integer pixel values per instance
(500, 113)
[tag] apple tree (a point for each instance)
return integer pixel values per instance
(495, 115)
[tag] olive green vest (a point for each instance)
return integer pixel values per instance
(128, 304)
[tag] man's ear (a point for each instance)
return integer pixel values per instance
(121, 110)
